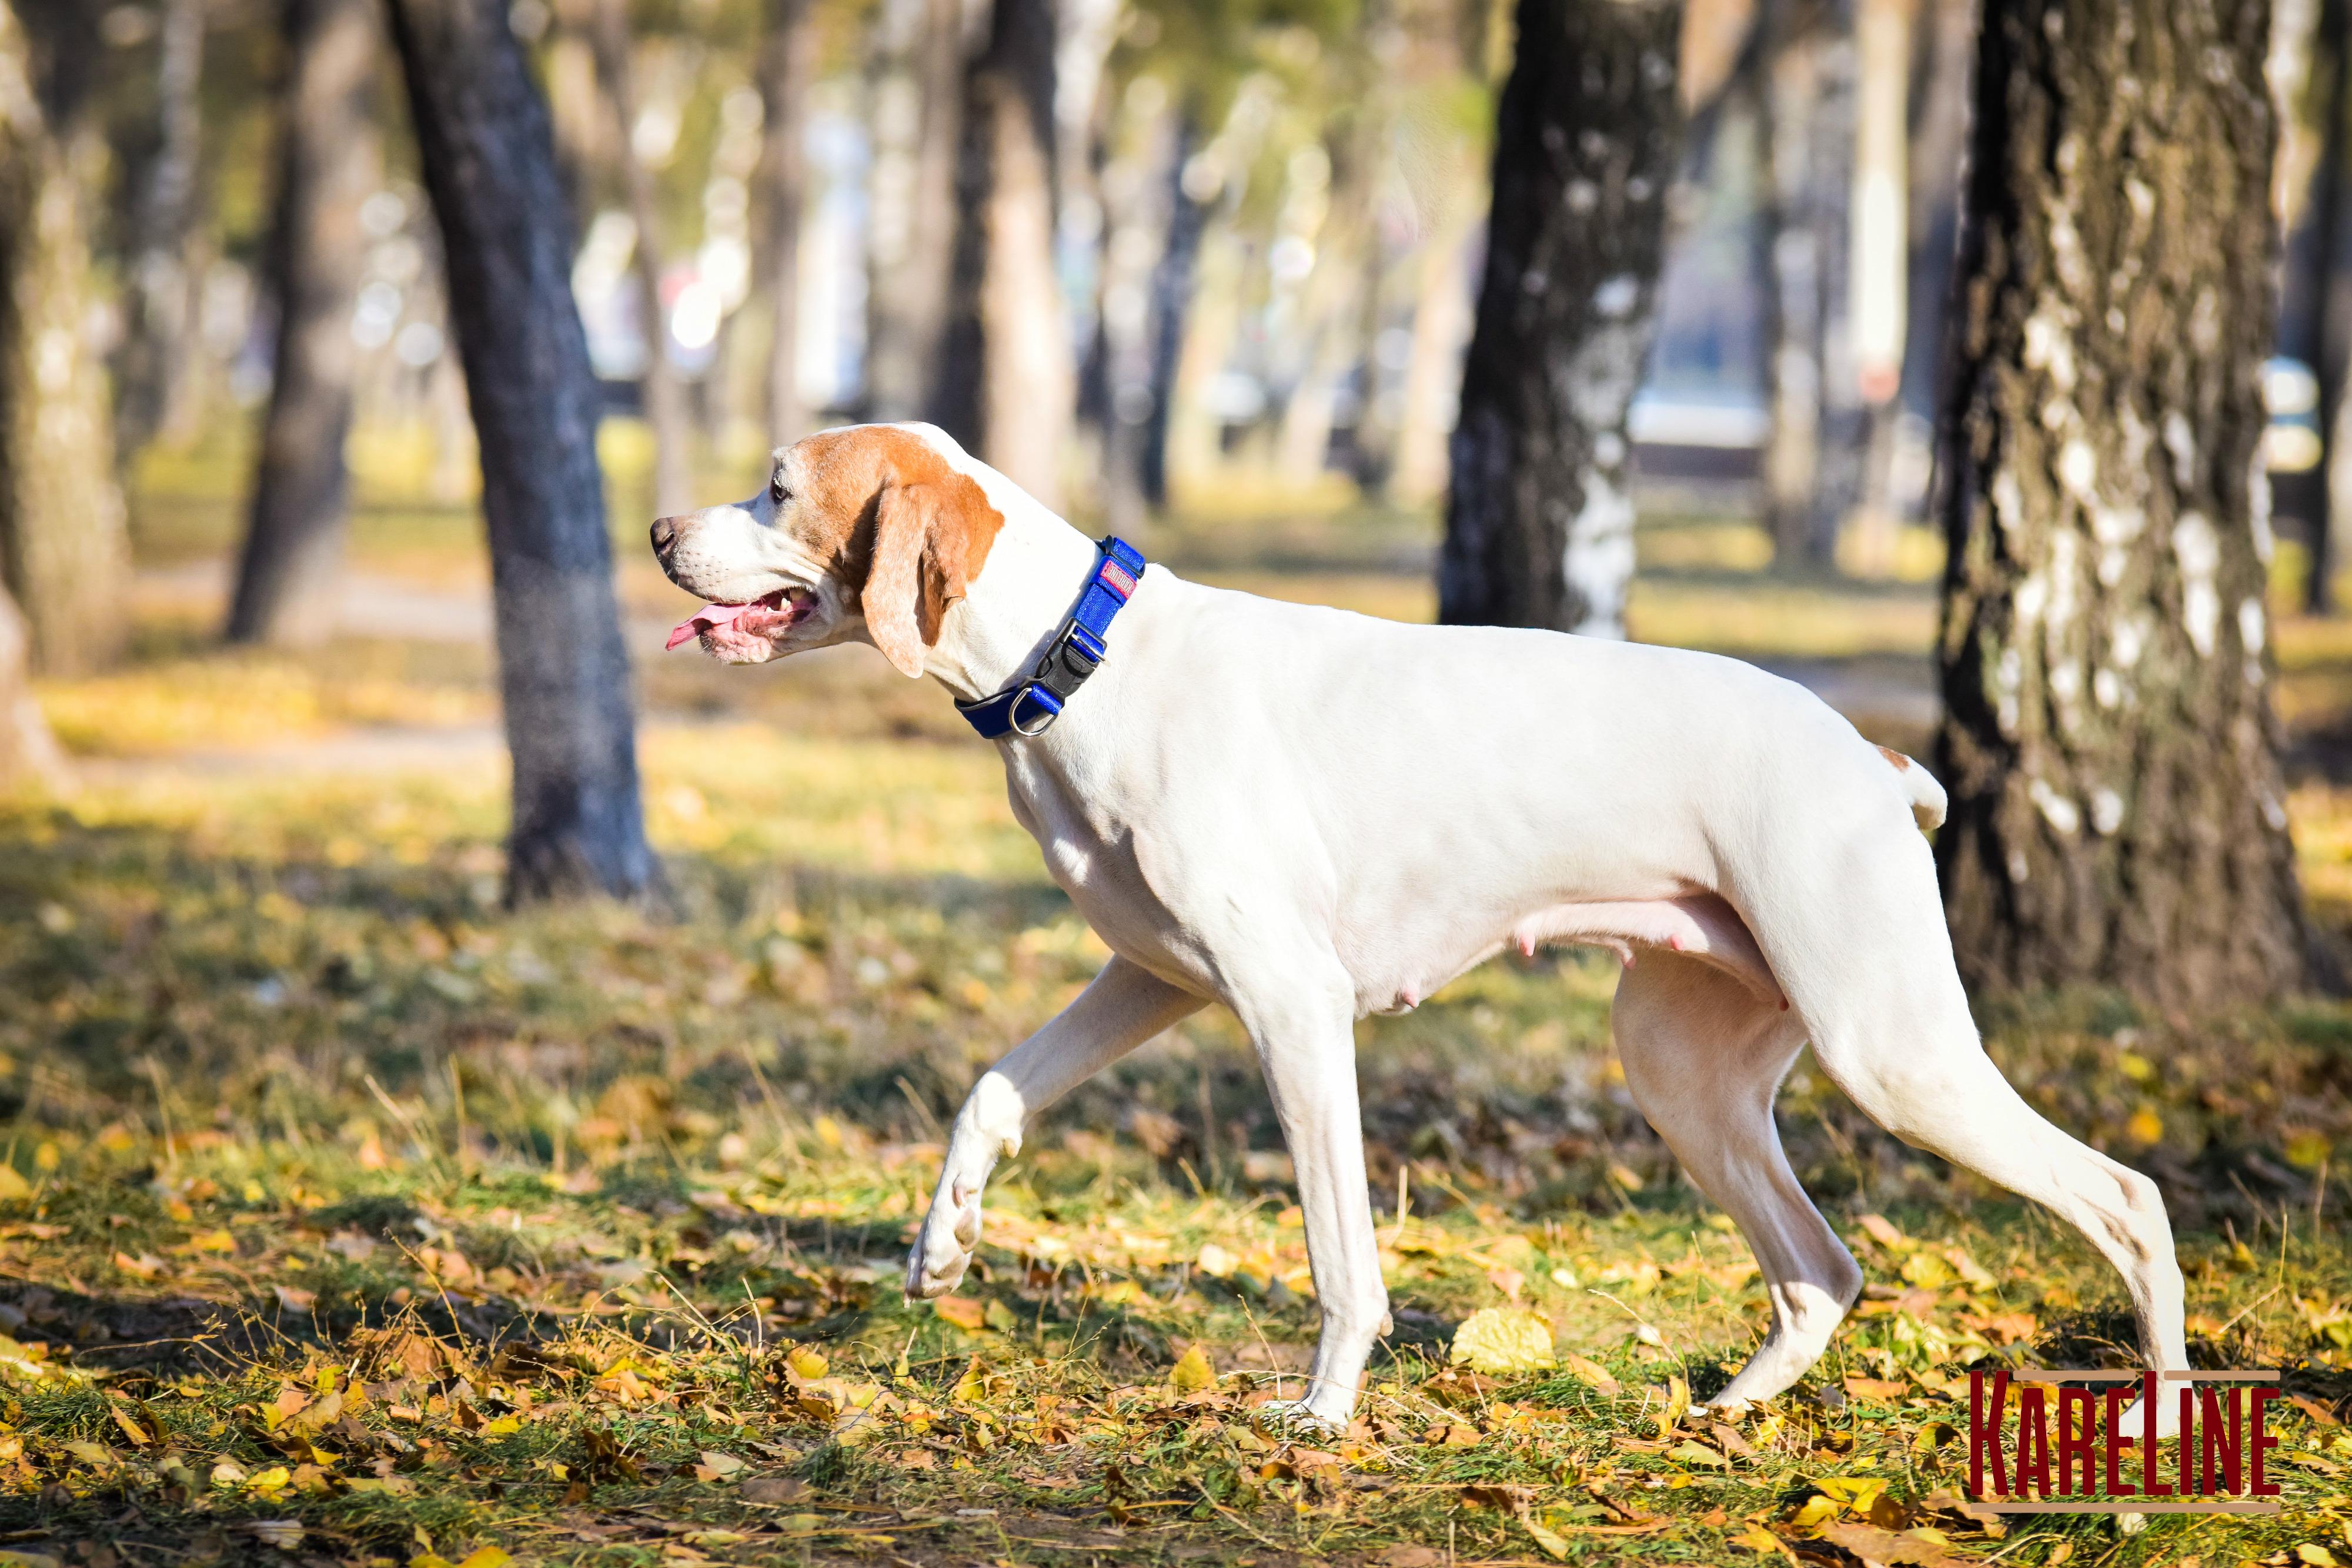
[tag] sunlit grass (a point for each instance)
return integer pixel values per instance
(277, 1055)
(345, 1212)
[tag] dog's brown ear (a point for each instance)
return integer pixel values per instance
(930, 539)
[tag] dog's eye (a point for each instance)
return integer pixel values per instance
(777, 493)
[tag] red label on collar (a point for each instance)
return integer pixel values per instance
(1117, 578)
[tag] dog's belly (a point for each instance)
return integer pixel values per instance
(1698, 924)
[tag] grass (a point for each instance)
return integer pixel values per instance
(346, 1217)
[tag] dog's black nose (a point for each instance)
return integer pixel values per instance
(665, 535)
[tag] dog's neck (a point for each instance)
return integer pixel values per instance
(1037, 567)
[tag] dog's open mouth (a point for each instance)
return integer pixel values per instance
(766, 617)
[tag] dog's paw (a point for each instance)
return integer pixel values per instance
(1299, 1418)
(943, 1251)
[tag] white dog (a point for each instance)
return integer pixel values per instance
(1308, 816)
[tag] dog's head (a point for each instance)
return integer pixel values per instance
(869, 531)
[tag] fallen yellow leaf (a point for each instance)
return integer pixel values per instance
(1816, 1512)
(1193, 1372)
(962, 1310)
(1857, 1493)
(1555, 1545)
(1594, 1372)
(1503, 1341)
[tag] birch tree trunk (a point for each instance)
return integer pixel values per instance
(1539, 520)
(65, 548)
(488, 162)
(328, 163)
(664, 391)
(787, 63)
(2118, 817)
(1007, 385)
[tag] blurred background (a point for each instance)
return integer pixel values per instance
(1205, 272)
(1265, 223)
(368, 872)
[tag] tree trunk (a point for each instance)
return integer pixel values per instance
(65, 550)
(1173, 281)
(915, 218)
(1007, 386)
(488, 162)
(1441, 321)
(663, 390)
(2117, 816)
(162, 293)
(29, 753)
(1812, 464)
(1333, 318)
(1879, 263)
(1940, 141)
(576, 107)
(1539, 520)
(2331, 297)
(787, 63)
(328, 163)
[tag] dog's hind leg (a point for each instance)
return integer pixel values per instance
(1703, 1058)
(1878, 994)
(1928, 1081)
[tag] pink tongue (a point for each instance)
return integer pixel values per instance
(708, 618)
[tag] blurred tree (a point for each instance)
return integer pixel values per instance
(1539, 521)
(919, 116)
(29, 753)
(787, 69)
(1878, 266)
(2330, 348)
(329, 162)
(2118, 817)
(488, 161)
(161, 317)
(1173, 278)
(663, 390)
(1812, 453)
(583, 133)
(1006, 385)
(65, 551)
(1940, 141)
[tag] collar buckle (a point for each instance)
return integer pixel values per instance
(1073, 655)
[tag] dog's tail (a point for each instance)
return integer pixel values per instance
(1927, 800)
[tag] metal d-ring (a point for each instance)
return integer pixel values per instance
(1012, 714)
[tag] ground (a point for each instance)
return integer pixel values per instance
(345, 1217)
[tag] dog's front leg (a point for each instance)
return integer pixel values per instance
(1306, 1042)
(1124, 1006)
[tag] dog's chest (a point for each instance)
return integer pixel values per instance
(1092, 853)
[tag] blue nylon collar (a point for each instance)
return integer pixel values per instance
(1029, 707)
